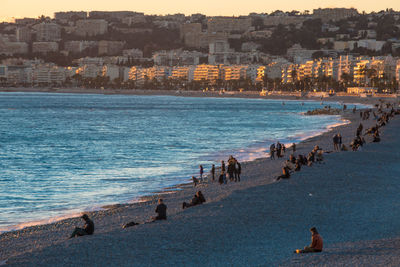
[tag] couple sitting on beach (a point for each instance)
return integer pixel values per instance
(196, 200)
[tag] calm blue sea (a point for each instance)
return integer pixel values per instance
(65, 153)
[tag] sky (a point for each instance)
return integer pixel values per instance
(10, 9)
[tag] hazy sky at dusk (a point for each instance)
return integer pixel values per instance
(34, 8)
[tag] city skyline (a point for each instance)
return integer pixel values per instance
(24, 8)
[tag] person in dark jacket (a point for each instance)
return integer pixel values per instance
(201, 172)
(272, 151)
(161, 211)
(212, 172)
(231, 168)
(238, 171)
(278, 149)
(196, 200)
(87, 229)
(223, 171)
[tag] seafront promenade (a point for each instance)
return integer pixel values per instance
(351, 198)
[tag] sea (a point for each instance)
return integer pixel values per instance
(61, 154)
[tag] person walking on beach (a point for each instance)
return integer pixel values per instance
(272, 151)
(335, 140)
(316, 243)
(231, 167)
(212, 172)
(161, 211)
(359, 129)
(238, 171)
(294, 147)
(87, 229)
(223, 173)
(201, 172)
(278, 149)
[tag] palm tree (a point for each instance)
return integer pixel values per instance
(346, 78)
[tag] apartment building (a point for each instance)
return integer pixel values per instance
(79, 46)
(205, 72)
(48, 74)
(335, 14)
(44, 47)
(229, 24)
(111, 48)
(47, 32)
(71, 15)
(91, 27)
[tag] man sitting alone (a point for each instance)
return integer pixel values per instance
(87, 229)
(316, 243)
(161, 210)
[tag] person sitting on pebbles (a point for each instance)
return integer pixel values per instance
(161, 210)
(320, 156)
(87, 229)
(316, 243)
(196, 200)
(285, 173)
(195, 181)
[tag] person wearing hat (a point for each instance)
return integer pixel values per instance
(87, 229)
(316, 243)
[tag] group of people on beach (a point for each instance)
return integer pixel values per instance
(232, 171)
(279, 149)
(382, 118)
(293, 164)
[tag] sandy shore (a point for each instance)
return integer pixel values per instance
(257, 222)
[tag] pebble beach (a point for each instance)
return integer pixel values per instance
(351, 198)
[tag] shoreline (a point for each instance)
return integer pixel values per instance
(351, 99)
(182, 185)
(15, 244)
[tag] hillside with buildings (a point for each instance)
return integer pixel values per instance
(331, 48)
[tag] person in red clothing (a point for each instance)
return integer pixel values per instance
(316, 243)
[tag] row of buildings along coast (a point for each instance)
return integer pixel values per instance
(72, 47)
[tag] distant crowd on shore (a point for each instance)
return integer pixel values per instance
(231, 172)
(293, 164)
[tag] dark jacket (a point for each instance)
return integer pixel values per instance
(161, 210)
(89, 226)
